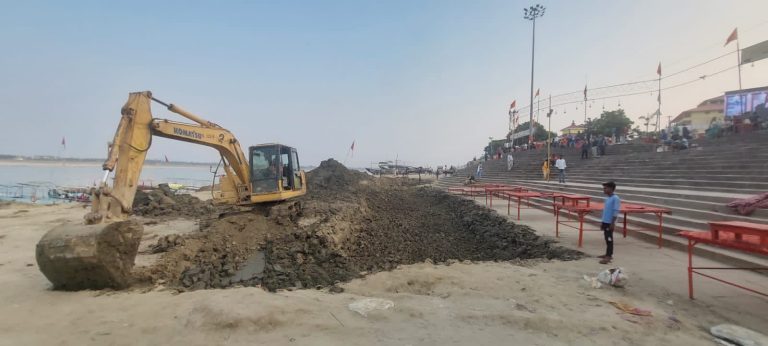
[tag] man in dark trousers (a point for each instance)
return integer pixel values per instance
(585, 149)
(610, 213)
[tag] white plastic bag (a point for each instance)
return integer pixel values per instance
(593, 281)
(614, 277)
(364, 306)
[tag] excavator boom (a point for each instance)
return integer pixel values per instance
(134, 137)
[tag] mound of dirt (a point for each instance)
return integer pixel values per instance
(332, 178)
(348, 226)
(396, 225)
(209, 188)
(163, 202)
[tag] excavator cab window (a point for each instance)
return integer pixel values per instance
(266, 168)
(291, 178)
(286, 175)
(296, 170)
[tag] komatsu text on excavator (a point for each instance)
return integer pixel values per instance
(101, 253)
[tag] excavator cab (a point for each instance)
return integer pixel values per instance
(275, 173)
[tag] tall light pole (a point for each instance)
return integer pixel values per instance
(531, 14)
(549, 128)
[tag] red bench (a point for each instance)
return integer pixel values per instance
(735, 235)
(491, 190)
(519, 195)
(568, 199)
(582, 210)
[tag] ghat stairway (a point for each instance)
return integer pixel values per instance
(694, 184)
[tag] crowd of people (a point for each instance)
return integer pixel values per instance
(677, 140)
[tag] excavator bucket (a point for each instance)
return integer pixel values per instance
(100, 254)
(77, 257)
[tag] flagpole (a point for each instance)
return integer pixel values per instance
(658, 111)
(585, 104)
(549, 128)
(738, 57)
(538, 108)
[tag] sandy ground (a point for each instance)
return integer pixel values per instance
(545, 303)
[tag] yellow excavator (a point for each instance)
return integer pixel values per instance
(100, 254)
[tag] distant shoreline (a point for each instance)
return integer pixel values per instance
(65, 163)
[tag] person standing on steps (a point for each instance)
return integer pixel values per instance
(585, 149)
(560, 164)
(510, 161)
(545, 169)
(608, 222)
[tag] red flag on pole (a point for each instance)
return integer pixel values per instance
(514, 103)
(63, 141)
(658, 70)
(734, 36)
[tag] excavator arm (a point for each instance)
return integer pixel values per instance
(129, 149)
(235, 187)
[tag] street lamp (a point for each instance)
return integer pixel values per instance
(531, 14)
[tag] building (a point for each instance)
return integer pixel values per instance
(698, 119)
(573, 129)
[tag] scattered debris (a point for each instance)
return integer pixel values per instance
(628, 308)
(336, 318)
(615, 277)
(365, 306)
(523, 307)
(673, 323)
(592, 281)
(166, 243)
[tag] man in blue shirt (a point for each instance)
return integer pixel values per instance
(610, 213)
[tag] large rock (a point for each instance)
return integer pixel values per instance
(77, 257)
(739, 335)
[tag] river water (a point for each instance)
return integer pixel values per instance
(27, 182)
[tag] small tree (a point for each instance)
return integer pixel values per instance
(539, 133)
(612, 122)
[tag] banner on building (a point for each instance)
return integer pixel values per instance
(745, 102)
(754, 52)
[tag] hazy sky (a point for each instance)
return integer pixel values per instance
(424, 81)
